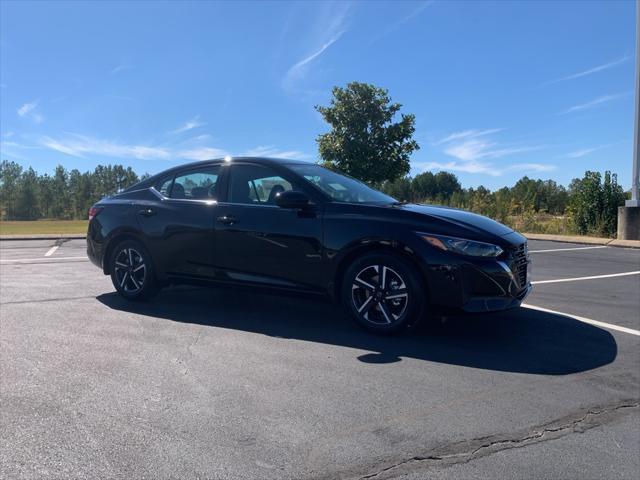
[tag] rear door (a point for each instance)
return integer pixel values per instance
(259, 242)
(179, 226)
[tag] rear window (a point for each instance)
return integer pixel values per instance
(197, 184)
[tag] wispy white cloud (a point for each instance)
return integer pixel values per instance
(119, 68)
(332, 26)
(15, 149)
(30, 110)
(7, 150)
(203, 153)
(271, 151)
(27, 108)
(530, 167)
(583, 152)
(189, 125)
(472, 148)
(466, 134)
(82, 146)
(594, 103)
(204, 136)
(414, 13)
(599, 68)
(485, 168)
(398, 23)
(298, 69)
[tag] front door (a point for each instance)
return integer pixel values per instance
(259, 242)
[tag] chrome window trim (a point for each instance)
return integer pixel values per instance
(189, 200)
(270, 205)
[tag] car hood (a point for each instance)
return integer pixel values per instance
(462, 218)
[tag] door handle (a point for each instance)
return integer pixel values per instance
(227, 220)
(147, 212)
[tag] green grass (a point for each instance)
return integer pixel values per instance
(52, 227)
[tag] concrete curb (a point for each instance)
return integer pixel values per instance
(586, 240)
(44, 236)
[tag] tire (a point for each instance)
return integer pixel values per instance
(132, 271)
(382, 308)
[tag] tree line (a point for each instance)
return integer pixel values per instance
(587, 206)
(64, 195)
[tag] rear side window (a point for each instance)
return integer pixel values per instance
(165, 187)
(197, 184)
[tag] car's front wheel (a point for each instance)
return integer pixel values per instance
(132, 271)
(382, 292)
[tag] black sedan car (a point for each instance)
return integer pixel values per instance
(297, 226)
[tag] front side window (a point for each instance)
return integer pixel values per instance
(256, 185)
(197, 184)
(340, 187)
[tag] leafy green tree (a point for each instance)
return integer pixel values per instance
(26, 207)
(365, 141)
(424, 187)
(399, 189)
(46, 196)
(593, 204)
(60, 205)
(10, 173)
(446, 184)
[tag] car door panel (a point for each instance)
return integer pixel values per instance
(263, 243)
(269, 245)
(181, 235)
(180, 231)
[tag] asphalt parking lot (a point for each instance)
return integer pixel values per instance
(220, 384)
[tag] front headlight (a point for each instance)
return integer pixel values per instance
(462, 246)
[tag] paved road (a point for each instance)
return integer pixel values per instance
(220, 384)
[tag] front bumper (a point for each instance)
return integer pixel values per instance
(480, 284)
(494, 304)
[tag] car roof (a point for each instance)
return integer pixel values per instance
(216, 161)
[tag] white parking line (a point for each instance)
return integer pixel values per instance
(594, 277)
(40, 260)
(567, 249)
(51, 250)
(597, 323)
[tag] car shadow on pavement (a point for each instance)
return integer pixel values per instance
(520, 340)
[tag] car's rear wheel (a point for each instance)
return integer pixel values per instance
(132, 271)
(382, 292)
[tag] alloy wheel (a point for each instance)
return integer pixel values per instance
(379, 294)
(130, 270)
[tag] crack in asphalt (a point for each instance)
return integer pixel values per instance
(45, 300)
(468, 450)
(60, 241)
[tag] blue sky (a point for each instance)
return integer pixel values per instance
(499, 89)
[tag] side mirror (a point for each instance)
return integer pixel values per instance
(292, 199)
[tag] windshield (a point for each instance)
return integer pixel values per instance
(339, 187)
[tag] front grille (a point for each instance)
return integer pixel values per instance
(520, 256)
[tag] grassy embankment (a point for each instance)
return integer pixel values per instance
(53, 227)
(543, 223)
